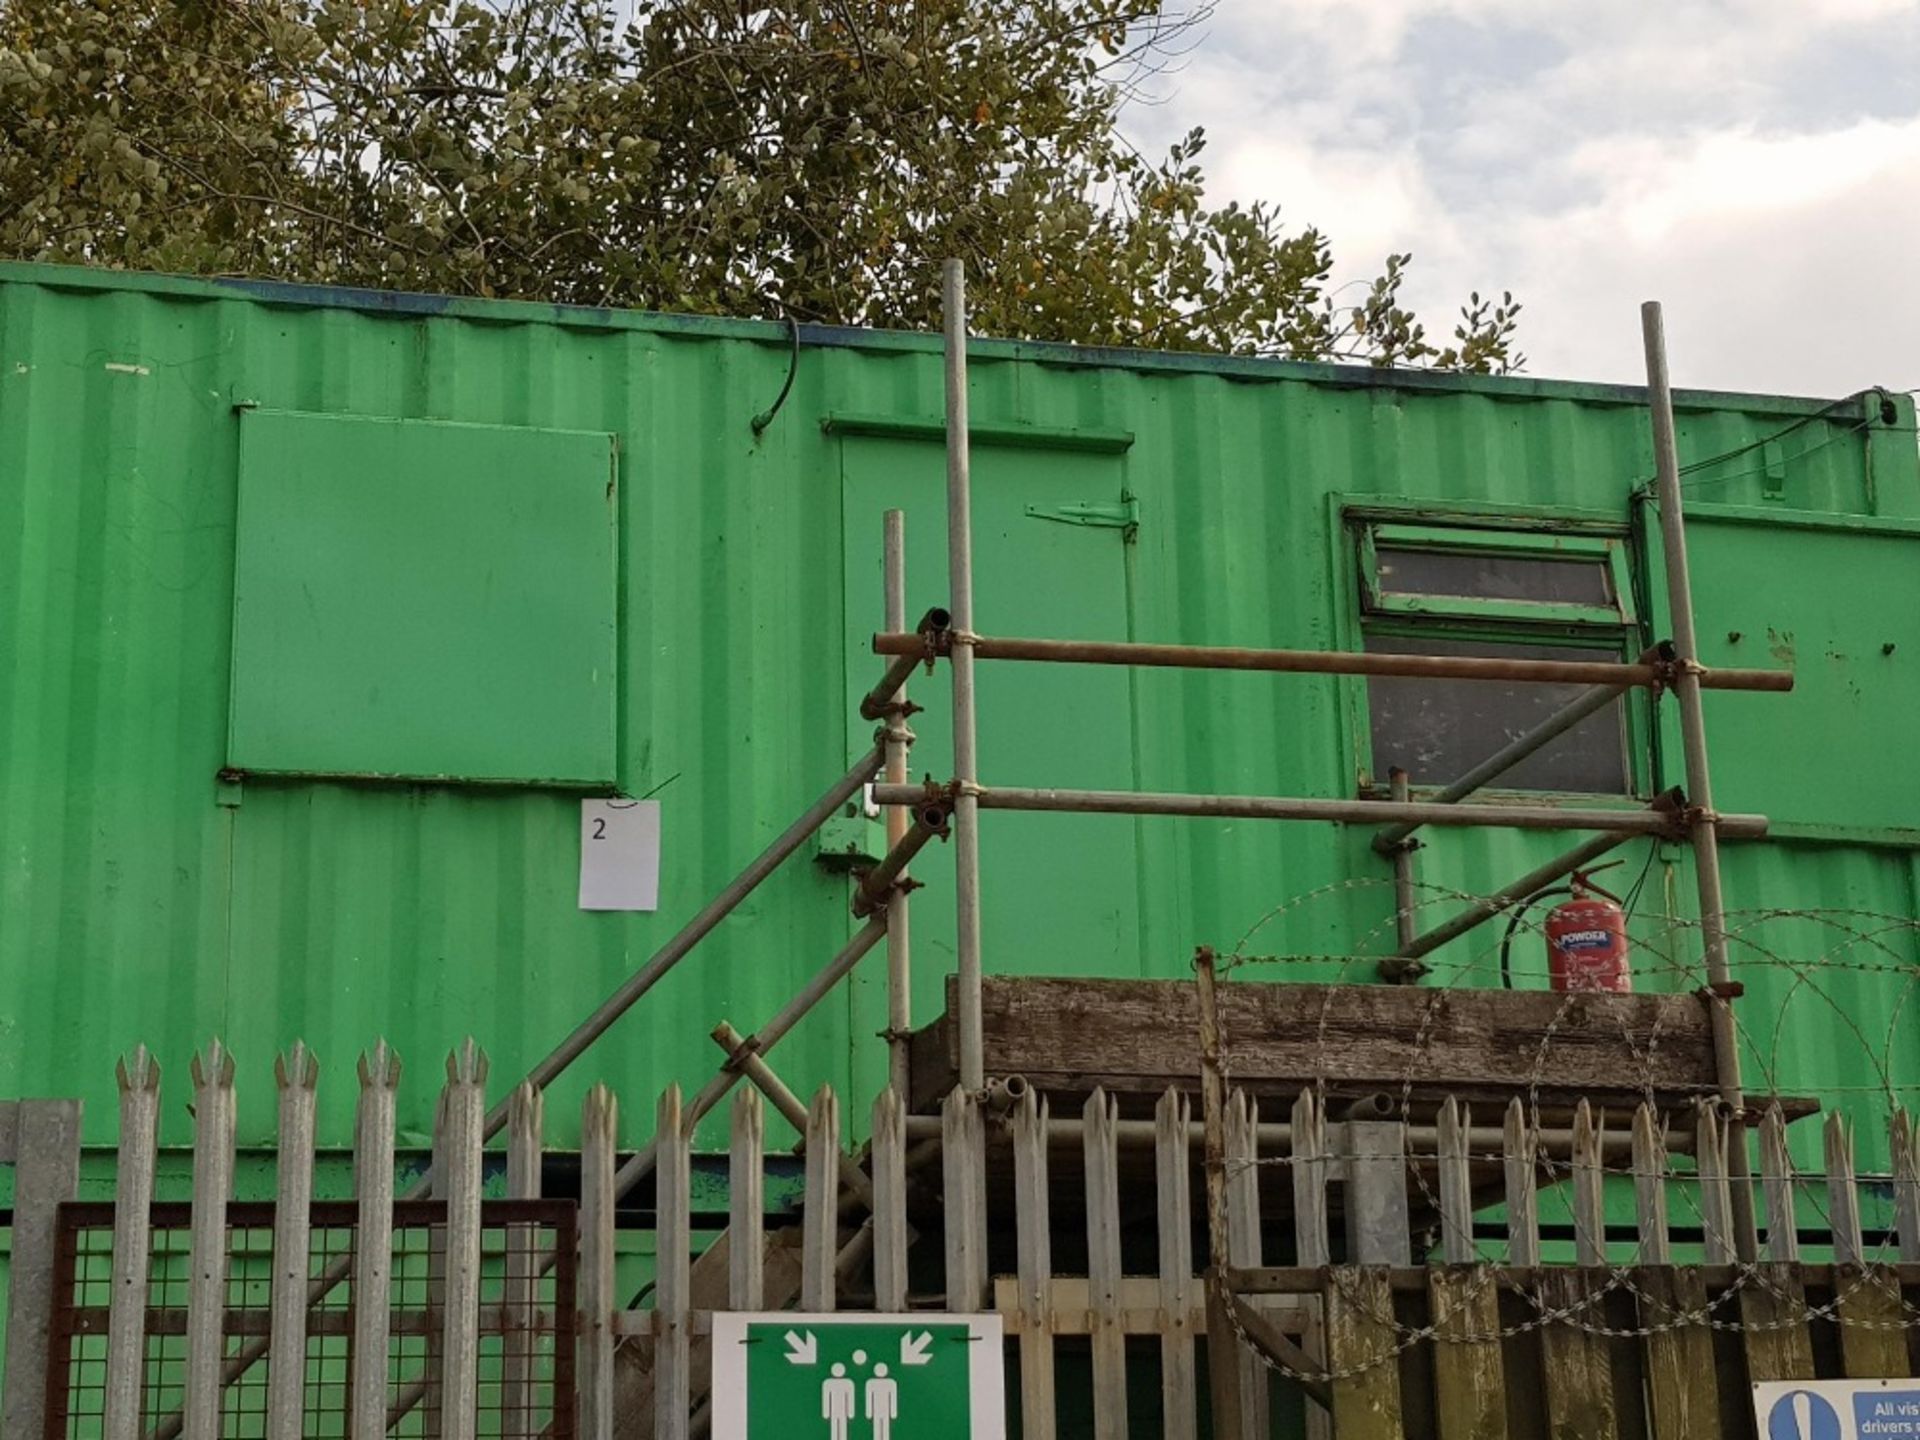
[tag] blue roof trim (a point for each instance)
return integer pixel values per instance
(1242, 367)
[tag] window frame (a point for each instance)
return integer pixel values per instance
(1483, 528)
(1461, 540)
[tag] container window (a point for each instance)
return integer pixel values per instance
(1573, 581)
(1500, 575)
(1438, 729)
(1459, 590)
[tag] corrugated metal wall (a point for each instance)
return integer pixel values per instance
(140, 899)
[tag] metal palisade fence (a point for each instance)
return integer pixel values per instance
(1358, 1291)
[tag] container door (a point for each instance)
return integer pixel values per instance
(1059, 893)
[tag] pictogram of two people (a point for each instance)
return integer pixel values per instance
(880, 1409)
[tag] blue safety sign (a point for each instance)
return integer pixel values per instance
(1838, 1409)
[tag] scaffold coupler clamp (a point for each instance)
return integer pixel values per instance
(738, 1055)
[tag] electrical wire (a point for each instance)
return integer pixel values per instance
(1632, 897)
(1513, 924)
(1786, 430)
(765, 417)
(1885, 416)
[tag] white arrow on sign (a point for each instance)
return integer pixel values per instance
(801, 1351)
(913, 1349)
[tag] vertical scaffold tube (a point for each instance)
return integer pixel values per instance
(966, 809)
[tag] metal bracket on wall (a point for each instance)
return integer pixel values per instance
(1103, 516)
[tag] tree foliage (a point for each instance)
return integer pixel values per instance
(809, 157)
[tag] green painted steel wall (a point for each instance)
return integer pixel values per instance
(143, 900)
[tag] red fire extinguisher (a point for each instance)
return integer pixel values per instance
(1587, 941)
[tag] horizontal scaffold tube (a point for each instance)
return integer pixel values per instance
(1335, 662)
(1357, 812)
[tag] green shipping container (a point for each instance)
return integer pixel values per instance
(321, 610)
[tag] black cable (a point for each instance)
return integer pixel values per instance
(1633, 895)
(1513, 924)
(765, 417)
(1800, 424)
(1886, 416)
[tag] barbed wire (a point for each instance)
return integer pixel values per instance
(1788, 982)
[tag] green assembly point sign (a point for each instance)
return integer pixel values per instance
(790, 1376)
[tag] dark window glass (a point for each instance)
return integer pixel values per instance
(1437, 729)
(1581, 581)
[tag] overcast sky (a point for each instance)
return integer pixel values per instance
(1754, 164)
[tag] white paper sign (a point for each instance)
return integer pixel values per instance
(619, 854)
(1837, 1409)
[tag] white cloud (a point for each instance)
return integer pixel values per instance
(1750, 162)
(1781, 261)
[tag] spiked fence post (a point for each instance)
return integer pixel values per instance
(297, 1076)
(1309, 1167)
(1650, 1187)
(1520, 1144)
(1101, 1155)
(1244, 1247)
(889, 1159)
(1906, 1184)
(1843, 1202)
(1716, 1200)
(1034, 1258)
(746, 1201)
(379, 1071)
(1469, 1380)
(463, 1112)
(1589, 1202)
(672, 1306)
(42, 1139)
(1309, 1159)
(599, 1127)
(1456, 1189)
(963, 1177)
(1776, 1182)
(213, 1122)
(139, 1078)
(526, 1117)
(820, 1222)
(1172, 1152)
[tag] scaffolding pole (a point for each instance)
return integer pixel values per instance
(1354, 812)
(899, 743)
(640, 1164)
(1319, 662)
(1404, 900)
(960, 644)
(1703, 825)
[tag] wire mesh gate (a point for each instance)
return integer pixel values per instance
(525, 1356)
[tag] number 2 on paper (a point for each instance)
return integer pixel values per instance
(619, 854)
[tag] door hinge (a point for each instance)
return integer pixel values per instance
(1102, 516)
